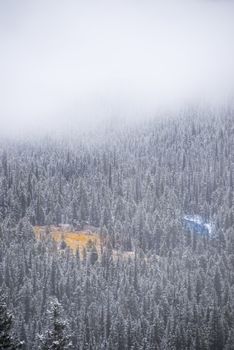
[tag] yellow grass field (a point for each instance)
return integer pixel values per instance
(77, 239)
(74, 239)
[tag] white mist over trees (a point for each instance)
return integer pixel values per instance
(65, 64)
(116, 124)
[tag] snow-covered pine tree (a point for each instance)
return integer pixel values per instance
(56, 338)
(7, 340)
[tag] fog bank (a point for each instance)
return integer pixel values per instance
(69, 64)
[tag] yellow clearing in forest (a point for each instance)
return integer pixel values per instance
(73, 239)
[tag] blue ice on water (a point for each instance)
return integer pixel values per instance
(197, 224)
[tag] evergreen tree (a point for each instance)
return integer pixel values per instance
(56, 338)
(7, 340)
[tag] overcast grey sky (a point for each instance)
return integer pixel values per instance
(69, 62)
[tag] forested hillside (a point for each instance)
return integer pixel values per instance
(134, 184)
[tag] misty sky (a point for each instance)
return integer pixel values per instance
(67, 62)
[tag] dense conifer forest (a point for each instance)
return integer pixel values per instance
(134, 184)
